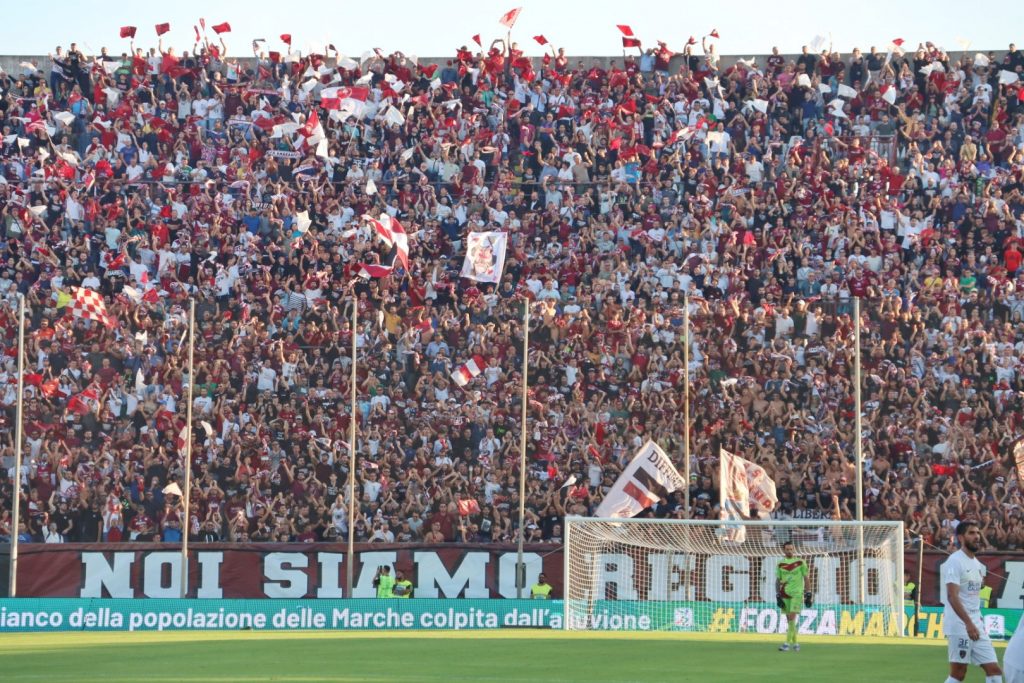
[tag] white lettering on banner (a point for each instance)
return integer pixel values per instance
(469, 579)
(1012, 594)
(386, 618)
(330, 575)
(481, 574)
(827, 591)
(818, 622)
(364, 587)
(671, 576)
(153, 575)
(767, 587)
(285, 575)
(507, 572)
(616, 570)
(209, 575)
(114, 576)
(727, 578)
(872, 581)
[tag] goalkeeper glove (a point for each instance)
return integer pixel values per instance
(779, 600)
(808, 599)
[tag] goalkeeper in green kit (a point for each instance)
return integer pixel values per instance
(790, 582)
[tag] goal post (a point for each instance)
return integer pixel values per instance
(685, 575)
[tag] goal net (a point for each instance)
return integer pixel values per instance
(686, 575)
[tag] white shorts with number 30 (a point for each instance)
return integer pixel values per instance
(963, 650)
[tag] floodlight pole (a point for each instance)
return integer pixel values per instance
(187, 494)
(859, 446)
(350, 554)
(16, 503)
(520, 570)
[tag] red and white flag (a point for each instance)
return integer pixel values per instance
(649, 477)
(741, 481)
(398, 237)
(85, 402)
(87, 304)
(468, 370)
(369, 270)
(380, 229)
(509, 17)
(182, 439)
(312, 129)
(346, 101)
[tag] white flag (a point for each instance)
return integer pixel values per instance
(649, 477)
(173, 489)
(371, 187)
(485, 256)
(740, 481)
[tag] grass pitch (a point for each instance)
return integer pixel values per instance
(479, 656)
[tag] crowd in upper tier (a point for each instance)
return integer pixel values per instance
(765, 195)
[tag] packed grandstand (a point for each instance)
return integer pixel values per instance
(765, 194)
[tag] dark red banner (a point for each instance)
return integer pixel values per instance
(229, 570)
(1005, 576)
(226, 570)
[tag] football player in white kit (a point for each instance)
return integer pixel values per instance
(962, 578)
(1013, 658)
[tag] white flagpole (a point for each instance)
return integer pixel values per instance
(721, 484)
(16, 503)
(858, 444)
(520, 570)
(186, 523)
(686, 403)
(350, 555)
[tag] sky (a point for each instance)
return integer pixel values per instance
(434, 28)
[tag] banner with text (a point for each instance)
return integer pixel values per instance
(478, 571)
(74, 614)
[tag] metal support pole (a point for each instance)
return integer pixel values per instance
(520, 570)
(920, 573)
(859, 446)
(16, 503)
(686, 404)
(186, 522)
(350, 555)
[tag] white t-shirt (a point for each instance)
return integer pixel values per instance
(969, 574)
(267, 376)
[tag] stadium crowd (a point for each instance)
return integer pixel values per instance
(767, 193)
